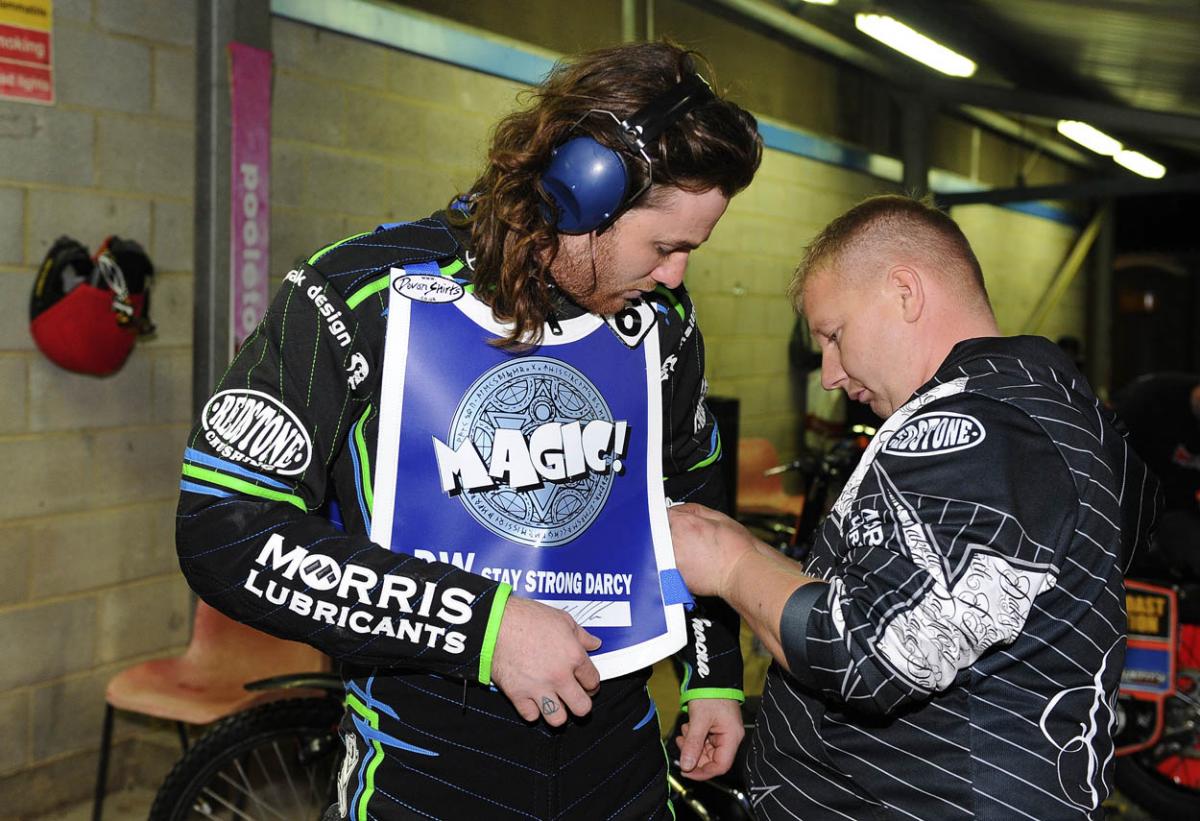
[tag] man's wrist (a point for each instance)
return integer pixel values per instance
(729, 586)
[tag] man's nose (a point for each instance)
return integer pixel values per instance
(672, 269)
(832, 374)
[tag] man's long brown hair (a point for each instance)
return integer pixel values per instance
(716, 145)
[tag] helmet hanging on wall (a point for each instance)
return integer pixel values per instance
(87, 312)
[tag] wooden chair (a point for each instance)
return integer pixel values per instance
(203, 684)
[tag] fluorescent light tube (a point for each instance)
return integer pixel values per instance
(1089, 137)
(912, 43)
(1139, 163)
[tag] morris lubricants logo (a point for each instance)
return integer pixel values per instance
(532, 451)
(254, 429)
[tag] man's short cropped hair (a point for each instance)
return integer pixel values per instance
(900, 223)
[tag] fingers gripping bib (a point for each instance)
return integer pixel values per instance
(541, 469)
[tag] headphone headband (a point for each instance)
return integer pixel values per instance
(653, 119)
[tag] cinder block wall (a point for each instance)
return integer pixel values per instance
(361, 134)
(88, 577)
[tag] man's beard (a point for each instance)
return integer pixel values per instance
(585, 278)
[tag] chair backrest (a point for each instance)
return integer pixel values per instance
(243, 653)
(754, 456)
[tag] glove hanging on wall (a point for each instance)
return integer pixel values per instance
(87, 312)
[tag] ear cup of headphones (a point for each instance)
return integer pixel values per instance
(587, 183)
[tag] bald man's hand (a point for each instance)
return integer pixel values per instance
(708, 547)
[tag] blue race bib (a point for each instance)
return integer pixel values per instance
(541, 469)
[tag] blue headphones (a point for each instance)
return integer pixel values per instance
(588, 183)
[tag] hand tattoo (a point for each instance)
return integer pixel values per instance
(549, 706)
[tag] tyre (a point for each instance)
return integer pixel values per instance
(1155, 792)
(1165, 779)
(277, 760)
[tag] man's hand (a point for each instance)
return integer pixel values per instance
(708, 546)
(710, 737)
(541, 662)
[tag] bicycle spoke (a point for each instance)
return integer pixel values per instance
(266, 766)
(237, 813)
(287, 774)
(246, 790)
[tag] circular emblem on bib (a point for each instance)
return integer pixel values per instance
(534, 399)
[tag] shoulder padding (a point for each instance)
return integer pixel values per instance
(346, 265)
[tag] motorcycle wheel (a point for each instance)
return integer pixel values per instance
(278, 760)
(1165, 779)
(1150, 789)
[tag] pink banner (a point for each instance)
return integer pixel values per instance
(249, 195)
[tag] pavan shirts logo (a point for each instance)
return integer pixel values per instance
(532, 451)
(256, 430)
(934, 433)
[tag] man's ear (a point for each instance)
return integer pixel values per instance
(908, 286)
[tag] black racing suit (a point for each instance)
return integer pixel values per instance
(962, 656)
(292, 427)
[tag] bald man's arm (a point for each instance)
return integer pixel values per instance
(719, 557)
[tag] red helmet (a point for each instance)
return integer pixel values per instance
(86, 312)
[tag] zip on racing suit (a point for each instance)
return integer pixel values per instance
(426, 735)
(962, 655)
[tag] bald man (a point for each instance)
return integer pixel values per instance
(954, 646)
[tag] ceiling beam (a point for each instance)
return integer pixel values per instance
(1121, 119)
(1114, 187)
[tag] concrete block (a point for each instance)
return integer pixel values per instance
(175, 83)
(83, 551)
(752, 312)
(716, 315)
(420, 190)
(143, 618)
(137, 464)
(460, 89)
(122, 85)
(171, 310)
(14, 729)
(321, 53)
(171, 250)
(167, 21)
(314, 111)
(12, 226)
(416, 133)
(351, 185)
(73, 10)
(67, 715)
(38, 791)
(88, 217)
(145, 155)
(47, 641)
(62, 400)
(287, 173)
(384, 124)
(46, 145)
(172, 381)
(14, 399)
(53, 477)
(14, 312)
(15, 552)
(297, 234)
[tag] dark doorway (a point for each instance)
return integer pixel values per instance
(1155, 296)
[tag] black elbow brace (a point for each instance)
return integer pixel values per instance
(793, 624)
